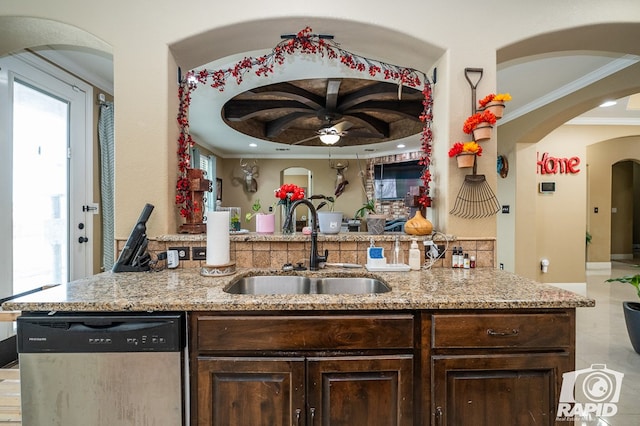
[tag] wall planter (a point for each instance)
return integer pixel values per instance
(466, 159)
(265, 223)
(482, 132)
(497, 108)
(330, 222)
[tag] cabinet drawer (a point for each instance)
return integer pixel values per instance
(323, 332)
(535, 330)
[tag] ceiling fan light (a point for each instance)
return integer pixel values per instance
(329, 139)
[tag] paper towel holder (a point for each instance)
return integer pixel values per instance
(218, 270)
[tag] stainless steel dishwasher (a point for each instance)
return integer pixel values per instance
(101, 369)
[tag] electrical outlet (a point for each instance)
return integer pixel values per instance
(199, 253)
(183, 252)
(440, 248)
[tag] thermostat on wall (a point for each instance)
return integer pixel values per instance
(546, 187)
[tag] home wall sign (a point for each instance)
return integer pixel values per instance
(548, 165)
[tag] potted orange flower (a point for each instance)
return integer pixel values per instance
(465, 153)
(495, 103)
(480, 125)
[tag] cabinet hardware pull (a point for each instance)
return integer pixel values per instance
(438, 416)
(511, 333)
(313, 415)
(298, 411)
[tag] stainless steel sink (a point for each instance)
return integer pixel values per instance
(270, 284)
(289, 284)
(350, 285)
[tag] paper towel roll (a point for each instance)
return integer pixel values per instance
(217, 238)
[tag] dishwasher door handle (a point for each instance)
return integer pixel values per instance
(114, 326)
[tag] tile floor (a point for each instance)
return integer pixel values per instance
(602, 339)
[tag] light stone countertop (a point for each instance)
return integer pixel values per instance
(187, 290)
(300, 237)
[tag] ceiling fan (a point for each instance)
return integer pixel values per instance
(332, 134)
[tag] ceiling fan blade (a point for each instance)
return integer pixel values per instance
(305, 140)
(360, 134)
(342, 126)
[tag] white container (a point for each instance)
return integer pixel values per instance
(414, 255)
(330, 222)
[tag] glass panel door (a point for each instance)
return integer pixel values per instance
(40, 188)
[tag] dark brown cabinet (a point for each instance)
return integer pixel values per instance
(441, 367)
(499, 369)
(337, 370)
(249, 391)
(372, 391)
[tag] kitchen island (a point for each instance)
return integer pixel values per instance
(444, 346)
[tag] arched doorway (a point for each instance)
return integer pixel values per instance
(625, 211)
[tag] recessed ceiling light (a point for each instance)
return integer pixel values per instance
(400, 145)
(253, 145)
(608, 104)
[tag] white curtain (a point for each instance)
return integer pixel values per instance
(105, 136)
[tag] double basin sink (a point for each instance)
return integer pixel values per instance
(293, 284)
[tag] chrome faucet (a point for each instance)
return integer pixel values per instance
(315, 259)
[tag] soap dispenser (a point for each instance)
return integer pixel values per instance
(414, 255)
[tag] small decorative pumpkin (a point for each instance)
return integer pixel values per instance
(418, 225)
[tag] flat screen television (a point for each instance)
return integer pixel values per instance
(134, 256)
(394, 181)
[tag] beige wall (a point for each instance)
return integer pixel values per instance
(553, 226)
(560, 216)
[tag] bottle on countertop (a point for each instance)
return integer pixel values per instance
(472, 262)
(414, 255)
(454, 257)
(466, 262)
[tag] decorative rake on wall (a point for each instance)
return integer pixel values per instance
(475, 198)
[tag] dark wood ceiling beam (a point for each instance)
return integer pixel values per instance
(292, 92)
(275, 127)
(404, 109)
(374, 91)
(333, 87)
(241, 110)
(368, 122)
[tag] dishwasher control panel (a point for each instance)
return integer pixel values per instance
(76, 332)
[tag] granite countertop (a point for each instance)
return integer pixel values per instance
(299, 236)
(187, 290)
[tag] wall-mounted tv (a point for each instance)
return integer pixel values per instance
(134, 256)
(394, 181)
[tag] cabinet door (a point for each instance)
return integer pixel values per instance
(507, 390)
(366, 390)
(249, 391)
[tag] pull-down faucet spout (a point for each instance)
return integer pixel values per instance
(315, 259)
